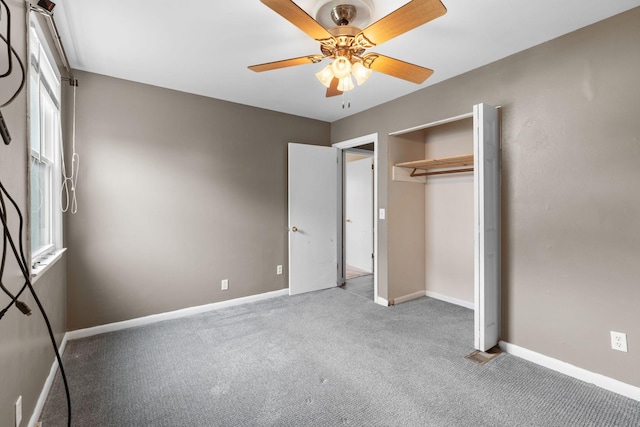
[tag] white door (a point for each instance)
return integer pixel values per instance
(313, 218)
(359, 214)
(486, 136)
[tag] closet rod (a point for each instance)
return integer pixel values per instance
(440, 172)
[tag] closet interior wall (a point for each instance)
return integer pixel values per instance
(449, 266)
(405, 216)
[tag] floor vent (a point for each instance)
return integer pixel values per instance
(481, 357)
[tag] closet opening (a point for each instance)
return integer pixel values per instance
(445, 195)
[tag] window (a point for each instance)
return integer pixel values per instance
(45, 144)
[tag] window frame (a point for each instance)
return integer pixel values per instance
(43, 72)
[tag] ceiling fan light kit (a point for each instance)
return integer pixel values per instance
(346, 43)
(341, 67)
(325, 76)
(345, 84)
(360, 73)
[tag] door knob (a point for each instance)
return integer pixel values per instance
(348, 220)
(294, 228)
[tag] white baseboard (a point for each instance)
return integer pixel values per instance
(451, 300)
(599, 380)
(382, 301)
(37, 411)
(146, 320)
(409, 297)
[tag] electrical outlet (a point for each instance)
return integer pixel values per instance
(279, 269)
(18, 407)
(224, 284)
(619, 341)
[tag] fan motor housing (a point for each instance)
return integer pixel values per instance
(344, 30)
(357, 13)
(343, 14)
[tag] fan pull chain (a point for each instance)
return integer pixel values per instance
(345, 100)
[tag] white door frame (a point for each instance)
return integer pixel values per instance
(352, 143)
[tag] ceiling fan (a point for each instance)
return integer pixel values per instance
(346, 44)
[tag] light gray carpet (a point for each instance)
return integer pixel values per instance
(329, 358)
(362, 286)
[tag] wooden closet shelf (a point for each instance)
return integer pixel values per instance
(446, 165)
(444, 162)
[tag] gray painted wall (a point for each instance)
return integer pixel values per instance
(176, 193)
(26, 354)
(571, 211)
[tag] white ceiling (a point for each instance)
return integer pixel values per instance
(204, 47)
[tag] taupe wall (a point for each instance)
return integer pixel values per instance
(26, 354)
(176, 193)
(571, 211)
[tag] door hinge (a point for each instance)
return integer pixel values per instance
(372, 255)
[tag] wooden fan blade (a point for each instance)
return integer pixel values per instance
(396, 68)
(298, 17)
(333, 88)
(403, 19)
(311, 59)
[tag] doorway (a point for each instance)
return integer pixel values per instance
(358, 220)
(357, 270)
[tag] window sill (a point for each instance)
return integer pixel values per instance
(46, 264)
